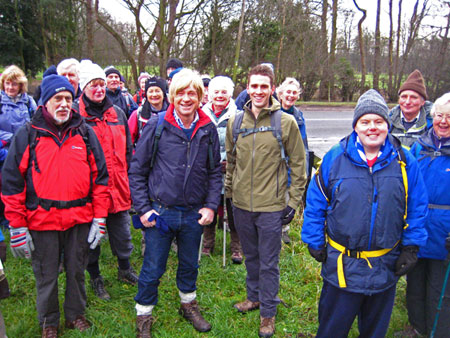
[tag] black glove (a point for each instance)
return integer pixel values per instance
(319, 255)
(407, 260)
(288, 215)
(447, 243)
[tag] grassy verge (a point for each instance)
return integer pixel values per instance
(218, 289)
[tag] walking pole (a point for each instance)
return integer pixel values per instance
(200, 249)
(225, 225)
(444, 286)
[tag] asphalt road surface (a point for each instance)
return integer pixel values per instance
(326, 126)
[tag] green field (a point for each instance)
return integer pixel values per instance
(218, 289)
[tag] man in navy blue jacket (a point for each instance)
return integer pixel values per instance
(175, 175)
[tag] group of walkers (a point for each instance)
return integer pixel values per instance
(179, 154)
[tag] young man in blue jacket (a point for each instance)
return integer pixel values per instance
(176, 176)
(371, 196)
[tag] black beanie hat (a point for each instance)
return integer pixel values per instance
(111, 70)
(174, 63)
(156, 81)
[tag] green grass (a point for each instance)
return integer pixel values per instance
(218, 289)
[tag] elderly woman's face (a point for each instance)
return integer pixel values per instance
(220, 97)
(11, 88)
(289, 96)
(441, 120)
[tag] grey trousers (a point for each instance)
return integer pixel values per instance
(423, 289)
(45, 262)
(260, 235)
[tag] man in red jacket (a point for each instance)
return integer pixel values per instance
(54, 186)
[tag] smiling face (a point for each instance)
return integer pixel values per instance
(289, 96)
(372, 131)
(95, 90)
(410, 103)
(12, 88)
(220, 98)
(259, 89)
(186, 102)
(155, 96)
(59, 106)
(441, 120)
(113, 81)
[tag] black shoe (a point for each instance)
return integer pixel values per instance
(99, 288)
(128, 276)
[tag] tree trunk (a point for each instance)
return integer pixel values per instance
(332, 51)
(397, 45)
(89, 29)
(440, 64)
(280, 45)
(238, 42)
(323, 90)
(20, 32)
(390, 53)
(361, 47)
(377, 54)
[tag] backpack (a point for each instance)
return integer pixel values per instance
(275, 128)
(32, 198)
(158, 132)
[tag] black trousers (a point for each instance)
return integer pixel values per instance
(45, 261)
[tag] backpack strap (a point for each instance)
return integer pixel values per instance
(275, 122)
(402, 162)
(158, 132)
(32, 142)
(210, 151)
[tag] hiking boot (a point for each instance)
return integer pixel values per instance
(99, 288)
(285, 237)
(236, 257)
(246, 305)
(191, 312)
(50, 332)
(144, 326)
(408, 332)
(128, 276)
(207, 252)
(267, 327)
(80, 323)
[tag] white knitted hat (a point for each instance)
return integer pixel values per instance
(89, 71)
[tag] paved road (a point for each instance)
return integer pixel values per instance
(326, 126)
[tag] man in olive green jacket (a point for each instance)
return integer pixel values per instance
(256, 180)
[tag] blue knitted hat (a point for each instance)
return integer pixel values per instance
(53, 84)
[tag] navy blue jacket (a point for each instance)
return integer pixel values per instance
(434, 162)
(181, 175)
(118, 99)
(366, 212)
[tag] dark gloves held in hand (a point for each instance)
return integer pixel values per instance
(288, 215)
(407, 260)
(447, 243)
(319, 255)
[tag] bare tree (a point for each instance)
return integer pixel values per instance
(89, 29)
(377, 53)
(390, 53)
(361, 45)
(238, 42)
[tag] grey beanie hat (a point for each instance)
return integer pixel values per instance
(371, 102)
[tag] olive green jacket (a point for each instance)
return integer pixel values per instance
(256, 175)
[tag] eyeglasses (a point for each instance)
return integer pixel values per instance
(440, 117)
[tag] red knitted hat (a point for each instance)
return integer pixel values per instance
(416, 83)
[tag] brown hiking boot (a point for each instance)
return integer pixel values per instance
(191, 312)
(246, 305)
(50, 332)
(144, 326)
(99, 288)
(80, 323)
(267, 327)
(236, 257)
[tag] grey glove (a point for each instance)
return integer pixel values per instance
(21, 242)
(97, 232)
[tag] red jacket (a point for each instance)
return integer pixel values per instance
(64, 184)
(114, 136)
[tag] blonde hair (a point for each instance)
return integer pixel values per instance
(442, 101)
(183, 79)
(14, 73)
(288, 81)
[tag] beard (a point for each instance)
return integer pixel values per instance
(63, 120)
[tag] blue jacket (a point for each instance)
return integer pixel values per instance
(14, 114)
(118, 99)
(366, 212)
(181, 175)
(436, 174)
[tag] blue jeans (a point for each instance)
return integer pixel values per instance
(183, 225)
